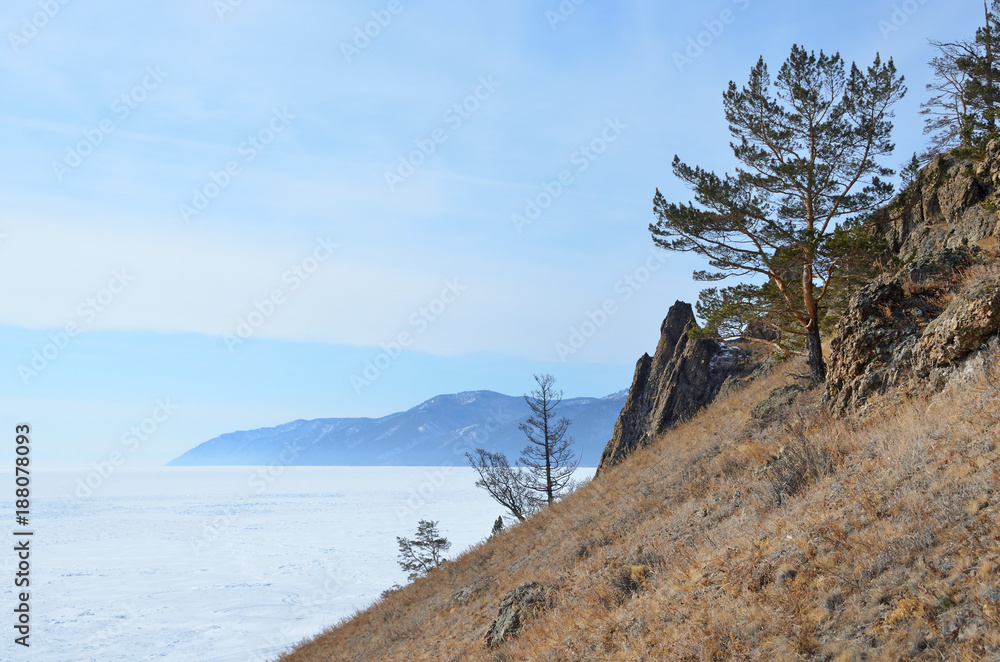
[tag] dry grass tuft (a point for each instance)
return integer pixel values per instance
(983, 272)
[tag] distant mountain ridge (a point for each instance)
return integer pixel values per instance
(436, 432)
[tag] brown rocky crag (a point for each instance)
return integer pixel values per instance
(684, 374)
(911, 331)
(952, 204)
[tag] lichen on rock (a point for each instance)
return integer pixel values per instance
(514, 609)
(910, 332)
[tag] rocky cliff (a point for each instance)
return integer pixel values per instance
(939, 314)
(683, 375)
(952, 204)
(911, 332)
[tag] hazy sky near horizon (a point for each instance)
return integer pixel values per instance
(256, 211)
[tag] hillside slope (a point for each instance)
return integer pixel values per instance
(790, 536)
(854, 522)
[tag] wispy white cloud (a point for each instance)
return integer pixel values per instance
(324, 174)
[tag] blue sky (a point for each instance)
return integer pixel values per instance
(195, 205)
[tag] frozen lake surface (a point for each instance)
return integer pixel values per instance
(221, 564)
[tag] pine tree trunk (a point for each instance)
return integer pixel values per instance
(817, 368)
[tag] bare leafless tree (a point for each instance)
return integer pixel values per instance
(947, 110)
(504, 483)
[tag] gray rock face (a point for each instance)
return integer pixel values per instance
(514, 609)
(683, 375)
(912, 331)
(909, 333)
(950, 208)
(963, 327)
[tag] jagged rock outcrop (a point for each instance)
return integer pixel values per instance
(683, 375)
(514, 609)
(910, 332)
(953, 204)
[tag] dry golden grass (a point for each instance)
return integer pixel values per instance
(983, 272)
(813, 538)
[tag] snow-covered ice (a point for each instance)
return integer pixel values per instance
(221, 564)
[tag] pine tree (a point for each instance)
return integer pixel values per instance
(424, 552)
(791, 216)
